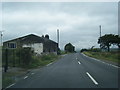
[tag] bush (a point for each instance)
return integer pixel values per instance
(42, 60)
(48, 57)
(82, 50)
(95, 50)
(24, 56)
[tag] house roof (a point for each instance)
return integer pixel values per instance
(31, 38)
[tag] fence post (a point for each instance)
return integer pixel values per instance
(6, 60)
(19, 56)
(13, 58)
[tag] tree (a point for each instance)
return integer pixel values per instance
(106, 41)
(116, 40)
(69, 48)
(82, 50)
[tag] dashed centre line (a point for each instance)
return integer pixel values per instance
(25, 77)
(79, 62)
(49, 64)
(92, 78)
(32, 73)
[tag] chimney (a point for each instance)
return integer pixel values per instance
(42, 36)
(47, 36)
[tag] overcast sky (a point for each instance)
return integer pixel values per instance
(78, 22)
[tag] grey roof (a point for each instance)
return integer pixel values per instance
(31, 38)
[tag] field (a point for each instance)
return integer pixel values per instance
(109, 56)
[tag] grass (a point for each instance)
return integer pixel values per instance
(8, 78)
(41, 61)
(109, 56)
(62, 52)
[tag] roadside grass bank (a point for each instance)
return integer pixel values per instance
(10, 77)
(41, 61)
(112, 56)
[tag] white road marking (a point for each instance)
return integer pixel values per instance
(32, 73)
(10, 85)
(101, 61)
(76, 58)
(49, 64)
(25, 77)
(92, 78)
(114, 66)
(79, 62)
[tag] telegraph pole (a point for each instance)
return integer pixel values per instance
(6, 53)
(100, 35)
(1, 36)
(58, 40)
(100, 30)
(58, 37)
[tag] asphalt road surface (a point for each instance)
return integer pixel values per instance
(72, 71)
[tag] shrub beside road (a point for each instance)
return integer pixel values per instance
(36, 62)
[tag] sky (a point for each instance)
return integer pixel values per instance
(78, 22)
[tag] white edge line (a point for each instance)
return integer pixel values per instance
(79, 62)
(92, 78)
(101, 61)
(10, 85)
(49, 64)
(25, 77)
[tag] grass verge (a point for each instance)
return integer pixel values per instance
(109, 56)
(42, 61)
(9, 77)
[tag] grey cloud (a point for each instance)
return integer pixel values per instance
(78, 22)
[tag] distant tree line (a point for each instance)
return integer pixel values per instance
(92, 49)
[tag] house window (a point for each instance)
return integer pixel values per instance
(11, 45)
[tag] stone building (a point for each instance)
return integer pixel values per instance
(38, 44)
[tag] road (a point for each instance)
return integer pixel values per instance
(72, 71)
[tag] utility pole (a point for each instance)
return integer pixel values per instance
(100, 30)
(1, 50)
(58, 37)
(100, 35)
(1, 34)
(6, 53)
(58, 40)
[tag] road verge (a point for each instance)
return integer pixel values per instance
(102, 59)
